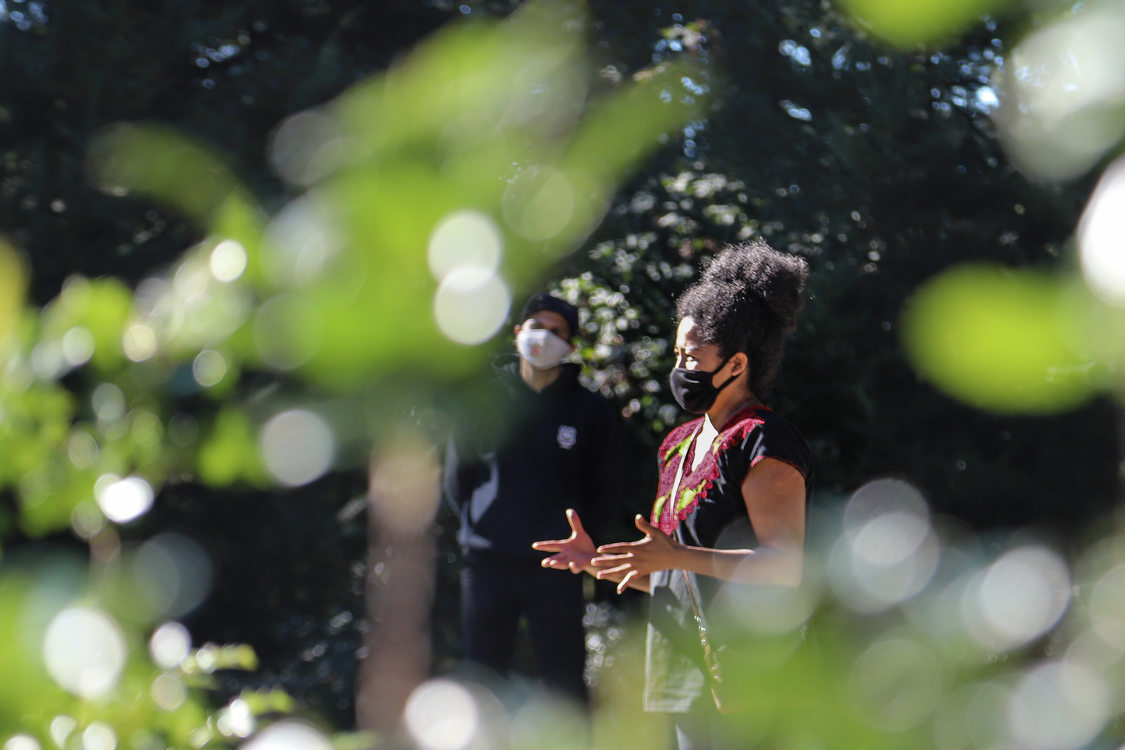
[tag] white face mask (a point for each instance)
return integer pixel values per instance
(541, 348)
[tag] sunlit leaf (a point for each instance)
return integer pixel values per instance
(241, 221)
(25, 690)
(473, 80)
(998, 339)
(915, 23)
(86, 321)
(229, 452)
(267, 701)
(158, 162)
(13, 282)
(50, 493)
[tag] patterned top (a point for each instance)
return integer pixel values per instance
(708, 511)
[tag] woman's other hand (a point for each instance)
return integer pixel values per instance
(628, 562)
(573, 553)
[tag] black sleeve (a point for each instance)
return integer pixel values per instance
(779, 439)
(450, 478)
(462, 471)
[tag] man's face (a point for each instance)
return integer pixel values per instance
(547, 320)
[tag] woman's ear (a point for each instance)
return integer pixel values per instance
(741, 363)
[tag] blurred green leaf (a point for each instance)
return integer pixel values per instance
(918, 23)
(87, 319)
(211, 657)
(268, 701)
(229, 453)
(13, 283)
(25, 689)
(999, 339)
(161, 163)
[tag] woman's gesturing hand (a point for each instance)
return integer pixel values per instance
(573, 553)
(624, 561)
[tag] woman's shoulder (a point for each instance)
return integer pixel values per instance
(758, 418)
(759, 432)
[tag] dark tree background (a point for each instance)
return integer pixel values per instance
(880, 167)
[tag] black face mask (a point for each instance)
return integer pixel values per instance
(692, 389)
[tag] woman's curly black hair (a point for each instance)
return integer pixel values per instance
(746, 300)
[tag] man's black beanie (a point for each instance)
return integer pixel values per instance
(542, 301)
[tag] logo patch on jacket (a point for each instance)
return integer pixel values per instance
(568, 436)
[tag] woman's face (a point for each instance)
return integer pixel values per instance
(691, 353)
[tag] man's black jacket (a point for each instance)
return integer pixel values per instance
(561, 449)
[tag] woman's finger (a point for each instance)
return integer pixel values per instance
(644, 526)
(610, 559)
(574, 521)
(624, 584)
(622, 569)
(619, 548)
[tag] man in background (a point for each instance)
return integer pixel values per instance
(559, 448)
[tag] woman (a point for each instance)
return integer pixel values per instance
(738, 465)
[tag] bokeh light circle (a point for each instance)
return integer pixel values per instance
(546, 721)
(767, 610)
(108, 402)
(471, 304)
(84, 650)
(301, 148)
(287, 331)
(99, 736)
(209, 368)
(1100, 232)
(464, 239)
(124, 499)
(300, 242)
(1061, 92)
(169, 645)
(442, 715)
(297, 446)
(972, 716)
(138, 342)
(288, 734)
(168, 691)
(172, 574)
(897, 683)
(540, 204)
(61, 728)
(1058, 706)
(1019, 597)
(1107, 607)
(237, 719)
(77, 346)
(22, 742)
(228, 260)
(888, 552)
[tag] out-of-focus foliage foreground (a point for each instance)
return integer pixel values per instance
(244, 244)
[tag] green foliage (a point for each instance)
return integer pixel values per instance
(351, 286)
(13, 278)
(879, 166)
(1000, 339)
(915, 24)
(229, 452)
(76, 668)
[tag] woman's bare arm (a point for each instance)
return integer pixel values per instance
(774, 494)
